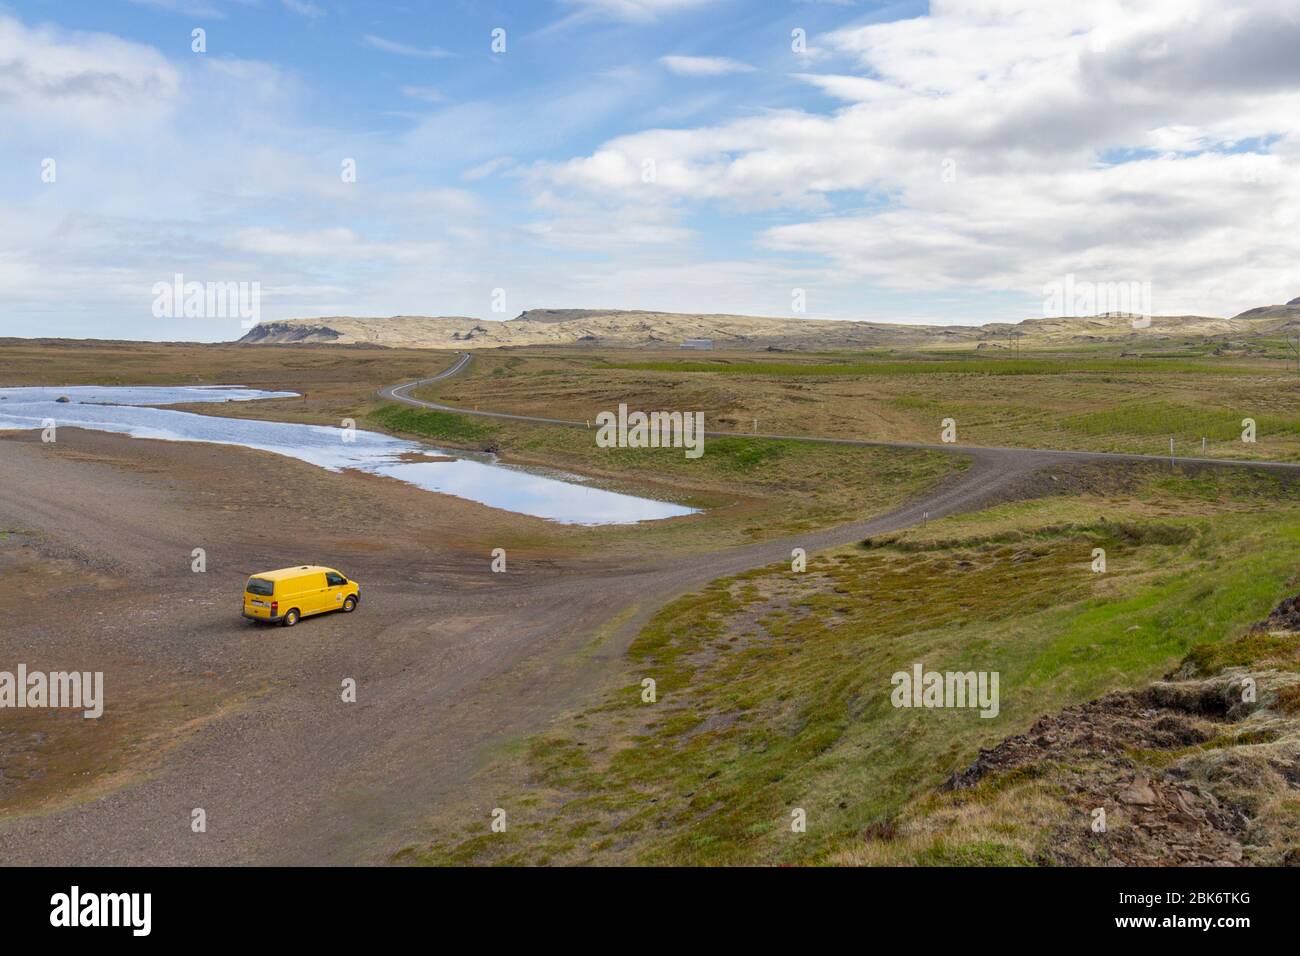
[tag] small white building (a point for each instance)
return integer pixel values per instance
(697, 343)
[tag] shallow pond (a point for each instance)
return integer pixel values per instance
(133, 411)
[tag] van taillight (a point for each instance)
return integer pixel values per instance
(275, 606)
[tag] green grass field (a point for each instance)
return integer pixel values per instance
(941, 366)
(1090, 399)
(752, 488)
(773, 687)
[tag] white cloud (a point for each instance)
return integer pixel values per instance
(455, 205)
(426, 94)
(592, 227)
(859, 89)
(1095, 137)
(403, 49)
(542, 117)
(86, 80)
(179, 166)
(303, 8)
(189, 8)
(488, 169)
(635, 10)
(704, 65)
(599, 234)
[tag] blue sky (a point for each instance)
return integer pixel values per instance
(911, 162)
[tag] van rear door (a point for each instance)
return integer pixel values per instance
(258, 595)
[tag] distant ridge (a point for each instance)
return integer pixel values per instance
(1287, 313)
(643, 328)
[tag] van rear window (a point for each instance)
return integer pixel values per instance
(261, 586)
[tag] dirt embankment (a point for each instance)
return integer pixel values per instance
(1202, 768)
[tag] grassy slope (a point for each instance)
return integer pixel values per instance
(1085, 399)
(773, 688)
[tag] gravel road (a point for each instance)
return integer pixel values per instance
(450, 660)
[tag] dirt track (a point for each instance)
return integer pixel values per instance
(449, 658)
(1009, 456)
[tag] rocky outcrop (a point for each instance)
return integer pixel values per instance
(1193, 770)
(293, 332)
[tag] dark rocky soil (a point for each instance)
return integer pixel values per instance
(1188, 772)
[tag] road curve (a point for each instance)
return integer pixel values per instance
(402, 393)
(457, 663)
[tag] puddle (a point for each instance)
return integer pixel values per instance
(135, 395)
(134, 411)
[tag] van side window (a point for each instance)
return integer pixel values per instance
(334, 580)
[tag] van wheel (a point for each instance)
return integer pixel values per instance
(349, 604)
(290, 617)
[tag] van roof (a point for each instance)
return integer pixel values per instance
(284, 573)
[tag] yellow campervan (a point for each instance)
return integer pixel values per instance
(286, 595)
